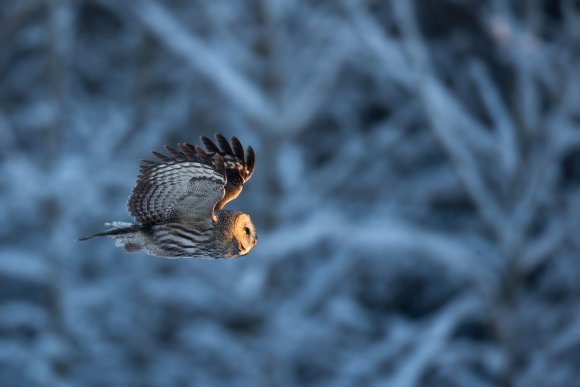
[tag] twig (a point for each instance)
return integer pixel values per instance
(503, 123)
(409, 373)
(203, 59)
(436, 104)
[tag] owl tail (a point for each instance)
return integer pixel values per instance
(126, 235)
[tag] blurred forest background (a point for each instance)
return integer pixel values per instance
(416, 192)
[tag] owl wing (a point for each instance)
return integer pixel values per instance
(186, 186)
(239, 164)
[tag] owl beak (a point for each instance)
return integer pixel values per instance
(242, 249)
(246, 249)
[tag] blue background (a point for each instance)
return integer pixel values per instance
(415, 192)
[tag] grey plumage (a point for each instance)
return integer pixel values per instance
(178, 201)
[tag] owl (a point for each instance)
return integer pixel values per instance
(178, 203)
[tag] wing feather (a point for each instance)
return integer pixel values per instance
(238, 148)
(250, 161)
(189, 183)
(239, 165)
(224, 145)
(209, 145)
(182, 186)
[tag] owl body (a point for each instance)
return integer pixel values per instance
(178, 204)
(233, 235)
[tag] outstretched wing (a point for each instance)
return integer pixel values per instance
(186, 186)
(239, 164)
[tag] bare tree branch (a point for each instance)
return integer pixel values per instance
(202, 58)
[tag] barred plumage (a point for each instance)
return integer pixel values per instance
(181, 240)
(178, 203)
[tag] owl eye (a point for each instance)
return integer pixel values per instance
(247, 230)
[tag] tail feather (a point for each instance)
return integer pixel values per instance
(126, 235)
(116, 228)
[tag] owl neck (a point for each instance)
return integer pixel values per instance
(227, 217)
(224, 232)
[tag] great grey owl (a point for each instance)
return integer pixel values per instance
(178, 203)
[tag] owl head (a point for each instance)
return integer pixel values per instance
(245, 233)
(236, 231)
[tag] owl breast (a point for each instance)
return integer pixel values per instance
(176, 239)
